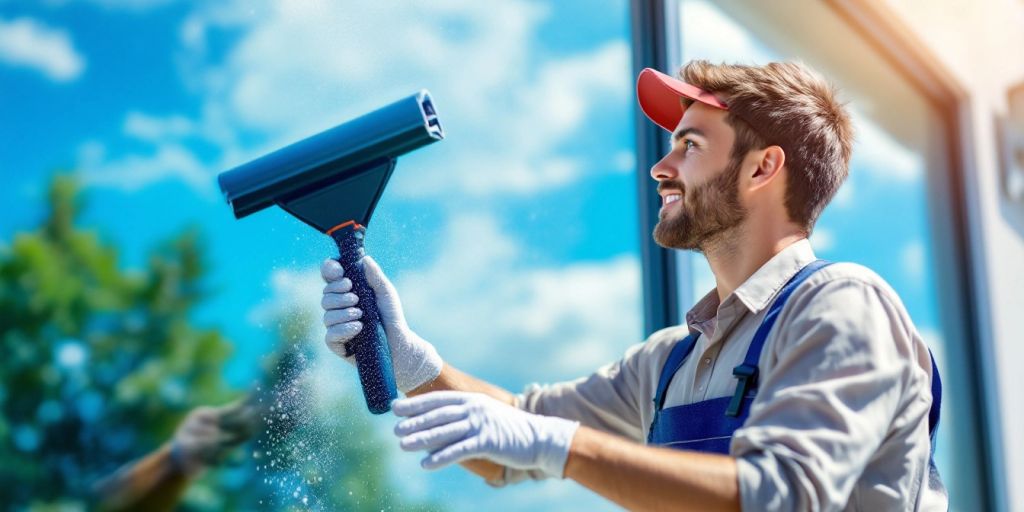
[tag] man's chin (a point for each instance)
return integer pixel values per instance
(668, 236)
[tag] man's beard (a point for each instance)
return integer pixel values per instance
(706, 212)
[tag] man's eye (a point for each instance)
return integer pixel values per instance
(688, 145)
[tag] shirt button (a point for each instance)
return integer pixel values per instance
(700, 388)
(707, 360)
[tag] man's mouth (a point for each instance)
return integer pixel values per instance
(667, 201)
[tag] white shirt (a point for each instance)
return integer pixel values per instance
(840, 421)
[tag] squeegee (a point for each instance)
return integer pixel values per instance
(332, 181)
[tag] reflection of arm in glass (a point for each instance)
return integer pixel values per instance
(157, 481)
(154, 482)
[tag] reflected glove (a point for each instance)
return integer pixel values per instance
(455, 426)
(207, 434)
(414, 360)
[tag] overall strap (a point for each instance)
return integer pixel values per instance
(933, 413)
(746, 373)
(675, 359)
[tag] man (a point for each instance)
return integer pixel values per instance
(792, 386)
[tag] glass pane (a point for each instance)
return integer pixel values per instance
(883, 217)
(513, 242)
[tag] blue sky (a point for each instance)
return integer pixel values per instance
(525, 211)
(513, 242)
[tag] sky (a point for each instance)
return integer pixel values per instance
(513, 243)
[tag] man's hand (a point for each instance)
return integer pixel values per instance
(414, 360)
(208, 433)
(455, 426)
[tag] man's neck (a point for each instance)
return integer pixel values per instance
(736, 256)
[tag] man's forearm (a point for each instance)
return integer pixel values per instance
(455, 380)
(652, 478)
(451, 379)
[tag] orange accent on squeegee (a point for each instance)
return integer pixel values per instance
(339, 226)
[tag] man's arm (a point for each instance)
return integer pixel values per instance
(641, 477)
(455, 426)
(452, 379)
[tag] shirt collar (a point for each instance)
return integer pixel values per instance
(760, 288)
(701, 317)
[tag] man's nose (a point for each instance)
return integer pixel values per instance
(665, 169)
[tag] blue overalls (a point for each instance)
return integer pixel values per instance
(708, 426)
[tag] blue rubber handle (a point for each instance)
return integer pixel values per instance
(370, 346)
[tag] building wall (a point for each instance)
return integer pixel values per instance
(981, 46)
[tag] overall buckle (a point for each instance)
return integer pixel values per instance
(746, 374)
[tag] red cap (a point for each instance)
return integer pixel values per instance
(659, 96)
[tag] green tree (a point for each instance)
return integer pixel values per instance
(99, 364)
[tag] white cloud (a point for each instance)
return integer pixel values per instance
(314, 62)
(480, 305)
(170, 154)
(484, 310)
(26, 42)
(291, 292)
(134, 171)
(155, 129)
(708, 33)
(530, 124)
(303, 66)
(624, 161)
(912, 260)
(845, 195)
(823, 239)
(131, 5)
(882, 156)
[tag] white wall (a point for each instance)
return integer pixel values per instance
(981, 44)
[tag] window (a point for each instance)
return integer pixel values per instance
(513, 243)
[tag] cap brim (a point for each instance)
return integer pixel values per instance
(659, 96)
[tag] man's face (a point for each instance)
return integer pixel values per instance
(698, 182)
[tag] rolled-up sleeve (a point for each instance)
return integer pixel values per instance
(842, 362)
(607, 400)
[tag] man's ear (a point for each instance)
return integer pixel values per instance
(768, 167)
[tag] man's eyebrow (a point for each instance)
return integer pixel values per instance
(686, 131)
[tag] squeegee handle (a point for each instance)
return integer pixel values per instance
(370, 345)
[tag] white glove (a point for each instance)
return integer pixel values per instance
(414, 360)
(454, 426)
(207, 434)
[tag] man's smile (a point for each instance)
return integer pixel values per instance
(668, 197)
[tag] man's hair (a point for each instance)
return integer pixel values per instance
(789, 105)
